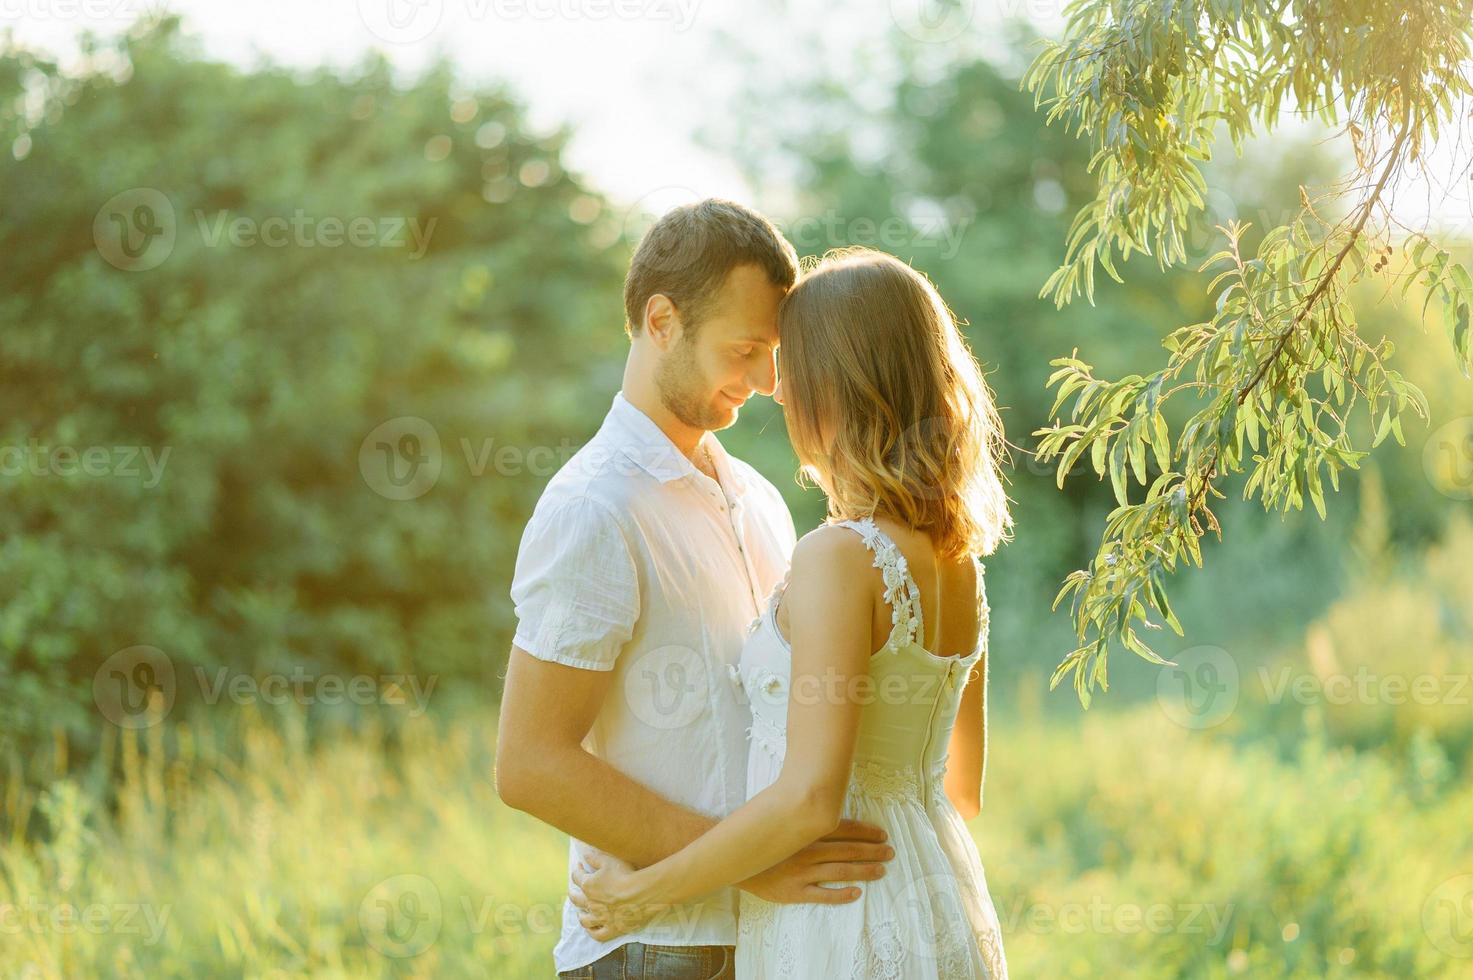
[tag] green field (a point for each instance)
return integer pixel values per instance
(1123, 845)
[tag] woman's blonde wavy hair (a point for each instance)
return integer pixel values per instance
(886, 406)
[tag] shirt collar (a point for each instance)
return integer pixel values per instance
(639, 438)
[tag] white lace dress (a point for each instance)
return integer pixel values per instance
(930, 916)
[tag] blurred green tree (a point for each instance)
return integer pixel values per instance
(238, 309)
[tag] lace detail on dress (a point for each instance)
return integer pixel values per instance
(880, 955)
(901, 591)
(990, 943)
(787, 956)
(938, 783)
(874, 781)
(769, 737)
(951, 952)
(870, 779)
(754, 914)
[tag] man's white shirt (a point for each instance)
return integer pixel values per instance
(637, 562)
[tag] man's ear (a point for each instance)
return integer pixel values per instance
(662, 321)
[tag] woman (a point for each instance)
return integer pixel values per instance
(858, 670)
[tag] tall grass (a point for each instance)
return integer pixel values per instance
(1123, 846)
(1302, 837)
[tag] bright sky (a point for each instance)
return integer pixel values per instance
(637, 79)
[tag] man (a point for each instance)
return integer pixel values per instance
(648, 556)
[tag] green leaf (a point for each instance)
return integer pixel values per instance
(1138, 451)
(1383, 428)
(1316, 494)
(1160, 442)
(1117, 471)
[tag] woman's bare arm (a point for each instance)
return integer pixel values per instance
(830, 606)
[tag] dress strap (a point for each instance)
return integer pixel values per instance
(984, 612)
(901, 592)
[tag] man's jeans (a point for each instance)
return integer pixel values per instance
(644, 961)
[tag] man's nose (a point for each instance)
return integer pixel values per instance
(764, 379)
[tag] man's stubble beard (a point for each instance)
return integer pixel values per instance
(683, 390)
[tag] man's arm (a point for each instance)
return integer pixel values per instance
(542, 769)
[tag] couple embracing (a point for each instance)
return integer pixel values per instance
(764, 751)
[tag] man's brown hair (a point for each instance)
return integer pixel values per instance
(689, 252)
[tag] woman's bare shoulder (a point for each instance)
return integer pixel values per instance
(833, 552)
